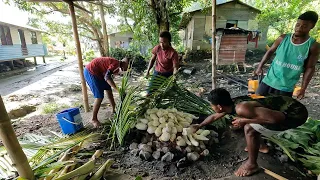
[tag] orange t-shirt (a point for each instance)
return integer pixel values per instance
(165, 59)
(100, 66)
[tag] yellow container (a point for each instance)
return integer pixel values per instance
(295, 91)
(255, 96)
(253, 86)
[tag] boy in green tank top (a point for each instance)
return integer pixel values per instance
(266, 116)
(295, 54)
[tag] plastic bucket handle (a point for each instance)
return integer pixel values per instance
(70, 121)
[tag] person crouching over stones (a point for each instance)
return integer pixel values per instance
(98, 74)
(266, 116)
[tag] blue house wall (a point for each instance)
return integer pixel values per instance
(13, 52)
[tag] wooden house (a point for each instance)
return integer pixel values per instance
(20, 42)
(196, 24)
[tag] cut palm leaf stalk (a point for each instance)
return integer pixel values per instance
(84, 169)
(102, 169)
(66, 169)
(69, 143)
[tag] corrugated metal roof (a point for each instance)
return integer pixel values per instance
(21, 26)
(188, 12)
(196, 6)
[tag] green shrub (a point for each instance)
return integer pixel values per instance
(51, 108)
(89, 55)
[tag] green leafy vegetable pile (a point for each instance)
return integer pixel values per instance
(302, 144)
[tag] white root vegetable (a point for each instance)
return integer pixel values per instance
(141, 126)
(159, 113)
(184, 124)
(144, 121)
(205, 133)
(181, 141)
(166, 130)
(186, 131)
(171, 116)
(200, 137)
(185, 138)
(158, 131)
(199, 131)
(180, 119)
(149, 118)
(165, 137)
(174, 130)
(154, 116)
(151, 129)
(188, 119)
(150, 123)
(170, 124)
(179, 128)
(155, 123)
(172, 137)
(192, 140)
(162, 120)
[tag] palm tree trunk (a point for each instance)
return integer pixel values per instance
(10, 141)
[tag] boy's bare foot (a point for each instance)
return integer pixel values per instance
(95, 123)
(263, 149)
(247, 169)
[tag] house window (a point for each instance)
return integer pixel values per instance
(5, 35)
(34, 37)
(232, 23)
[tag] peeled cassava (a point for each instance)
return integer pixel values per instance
(174, 130)
(162, 120)
(181, 141)
(141, 126)
(192, 140)
(200, 137)
(145, 121)
(165, 137)
(199, 131)
(158, 131)
(185, 138)
(151, 129)
(172, 137)
(205, 133)
(155, 123)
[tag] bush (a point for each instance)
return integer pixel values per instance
(89, 55)
(139, 63)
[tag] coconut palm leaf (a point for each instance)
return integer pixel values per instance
(42, 151)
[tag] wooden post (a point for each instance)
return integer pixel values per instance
(10, 141)
(214, 64)
(79, 54)
(11, 65)
(35, 60)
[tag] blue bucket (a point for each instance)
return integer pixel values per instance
(70, 120)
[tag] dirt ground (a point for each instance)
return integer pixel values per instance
(61, 86)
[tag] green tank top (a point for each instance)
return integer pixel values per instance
(288, 64)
